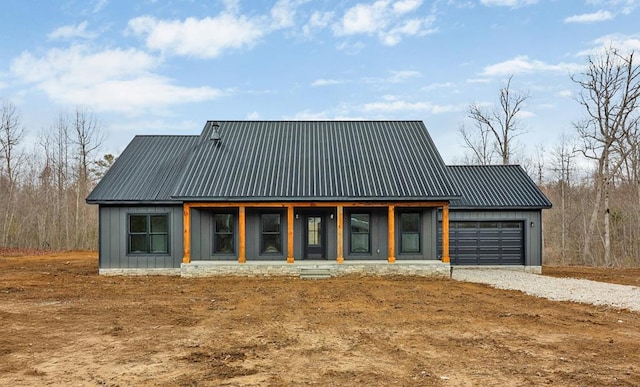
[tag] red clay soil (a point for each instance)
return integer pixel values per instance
(62, 324)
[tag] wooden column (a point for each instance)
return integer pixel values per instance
(392, 234)
(186, 235)
(242, 235)
(290, 234)
(445, 233)
(340, 233)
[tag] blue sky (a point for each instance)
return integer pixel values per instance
(165, 67)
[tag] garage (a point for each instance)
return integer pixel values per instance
(486, 243)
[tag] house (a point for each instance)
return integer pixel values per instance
(272, 196)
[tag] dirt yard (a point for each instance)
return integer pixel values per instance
(62, 324)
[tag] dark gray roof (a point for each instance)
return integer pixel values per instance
(146, 171)
(316, 160)
(496, 186)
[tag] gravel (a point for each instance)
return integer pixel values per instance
(557, 289)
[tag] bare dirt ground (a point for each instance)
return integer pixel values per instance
(614, 275)
(62, 324)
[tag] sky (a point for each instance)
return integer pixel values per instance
(166, 67)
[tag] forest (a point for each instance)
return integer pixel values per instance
(592, 175)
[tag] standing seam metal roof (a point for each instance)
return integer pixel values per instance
(146, 171)
(496, 187)
(316, 160)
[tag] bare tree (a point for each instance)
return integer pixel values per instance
(11, 134)
(610, 95)
(501, 124)
(563, 156)
(88, 138)
(479, 142)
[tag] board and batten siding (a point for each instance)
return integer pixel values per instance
(532, 227)
(113, 239)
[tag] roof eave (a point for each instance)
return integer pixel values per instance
(503, 208)
(317, 199)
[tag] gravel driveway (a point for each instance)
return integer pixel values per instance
(558, 289)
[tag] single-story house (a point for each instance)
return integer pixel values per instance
(290, 192)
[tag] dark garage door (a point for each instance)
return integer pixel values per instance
(486, 243)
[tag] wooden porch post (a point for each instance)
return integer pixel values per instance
(290, 234)
(340, 227)
(242, 235)
(445, 233)
(186, 235)
(392, 234)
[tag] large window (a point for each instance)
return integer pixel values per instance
(410, 233)
(223, 229)
(360, 234)
(271, 238)
(148, 234)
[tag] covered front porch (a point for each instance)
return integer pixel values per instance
(323, 231)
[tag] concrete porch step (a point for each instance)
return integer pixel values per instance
(315, 273)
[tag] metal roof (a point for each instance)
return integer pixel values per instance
(316, 160)
(146, 171)
(496, 187)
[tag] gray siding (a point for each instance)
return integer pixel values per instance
(113, 238)
(429, 237)
(253, 235)
(202, 235)
(532, 228)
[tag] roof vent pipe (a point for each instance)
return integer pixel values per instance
(215, 132)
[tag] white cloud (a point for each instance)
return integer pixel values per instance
(413, 27)
(100, 4)
(623, 43)
(341, 114)
(399, 76)
(391, 105)
(364, 18)
(71, 32)
(441, 85)
(523, 65)
(623, 6)
(406, 6)
(204, 38)
(283, 13)
(326, 82)
(108, 80)
(508, 3)
(590, 17)
(253, 116)
(209, 37)
(317, 21)
(384, 19)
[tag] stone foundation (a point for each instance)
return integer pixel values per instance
(377, 268)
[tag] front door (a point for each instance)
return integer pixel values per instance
(314, 244)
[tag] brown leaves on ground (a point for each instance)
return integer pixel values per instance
(65, 325)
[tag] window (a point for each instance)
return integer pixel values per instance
(271, 237)
(314, 230)
(148, 234)
(410, 233)
(223, 234)
(360, 236)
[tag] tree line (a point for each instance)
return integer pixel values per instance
(43, 189)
